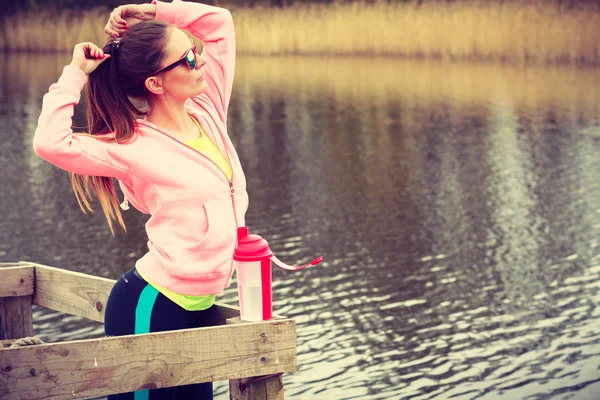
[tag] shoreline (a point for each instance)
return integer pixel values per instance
(538, 34)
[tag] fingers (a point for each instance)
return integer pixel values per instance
(118, 18)
(96, 52)
(116, 24)
(102, 59)
(110, 31)
(90, 50)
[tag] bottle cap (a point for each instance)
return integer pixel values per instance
(250, 247)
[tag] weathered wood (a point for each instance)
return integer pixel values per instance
(99, 367)
(15, 317)
(16, 288)
(258, 353)
(16, 280)
(71, 292)
(260, 388)
(266, 387)
(85, 295)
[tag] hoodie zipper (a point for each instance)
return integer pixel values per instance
(231, 188)
(230, 182)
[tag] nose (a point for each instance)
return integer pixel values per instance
(200, 61)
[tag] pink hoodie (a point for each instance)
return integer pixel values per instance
(195, 210)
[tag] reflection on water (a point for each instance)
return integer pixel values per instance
(457, 207)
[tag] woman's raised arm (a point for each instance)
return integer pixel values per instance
(212, 25)
(55, 142)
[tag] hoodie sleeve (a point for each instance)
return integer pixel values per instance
(55, 142)
(214, 27)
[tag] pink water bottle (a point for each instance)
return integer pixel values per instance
(252, 261)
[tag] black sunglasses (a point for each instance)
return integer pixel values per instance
(189, 58)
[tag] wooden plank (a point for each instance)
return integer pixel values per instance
(85, 295)
(16, 280)
(15, 317)
(267, 387)
(98, 367)
(71, 292)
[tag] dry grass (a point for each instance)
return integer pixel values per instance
(522, 31)
(51, 31)
(533, 32)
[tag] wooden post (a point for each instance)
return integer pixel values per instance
(16, 289)
(15, 317)
(269, 387)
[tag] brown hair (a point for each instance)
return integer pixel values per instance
(110, 89)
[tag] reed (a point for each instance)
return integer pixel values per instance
(525, 31)
(52, 31)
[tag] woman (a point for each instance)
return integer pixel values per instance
(173, 161)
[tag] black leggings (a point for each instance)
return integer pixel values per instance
(134, 306)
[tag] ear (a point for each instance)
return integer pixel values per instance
(155, 85)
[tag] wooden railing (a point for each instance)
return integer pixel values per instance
(252, 356)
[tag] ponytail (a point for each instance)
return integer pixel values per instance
(110, 109)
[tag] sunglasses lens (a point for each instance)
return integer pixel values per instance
(190, 59)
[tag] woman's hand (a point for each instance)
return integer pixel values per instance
(127, 16)
(87, 56)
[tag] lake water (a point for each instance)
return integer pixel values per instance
(457, 207)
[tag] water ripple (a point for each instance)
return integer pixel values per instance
(459, 227)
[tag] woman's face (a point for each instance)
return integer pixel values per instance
(180, 81)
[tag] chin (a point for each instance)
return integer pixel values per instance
(202, 86)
